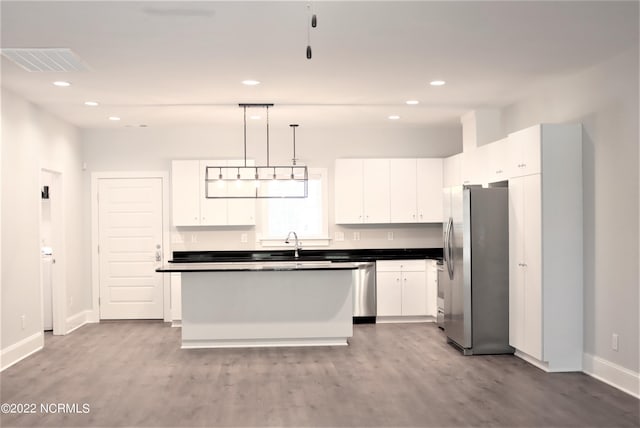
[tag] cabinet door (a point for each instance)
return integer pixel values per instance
(451, 171)
(429, 190)
(532, 266)
(376, 202)
(389, 294)
(414, 293)
(241, 211)
(516, 259)
(524, 152)
(497, 160)
(348, 191)
(432, 288)
(402, 190)
(213, 212)
(185, 192)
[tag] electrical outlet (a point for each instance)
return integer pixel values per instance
(356, 236)
(177, 238)
(390, 236)
(339, 236)
(23, 320)
(194, 238)
(614, 342)
(243, 238)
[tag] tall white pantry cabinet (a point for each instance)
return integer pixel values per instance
(545, 246)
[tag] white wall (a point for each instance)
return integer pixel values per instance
(31, 140)
(125, 149)
(604, 99)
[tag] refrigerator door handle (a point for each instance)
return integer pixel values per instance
(450, 248)
(445, 251)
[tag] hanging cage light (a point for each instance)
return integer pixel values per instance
(257, 181)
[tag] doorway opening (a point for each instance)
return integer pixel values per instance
(51, 252)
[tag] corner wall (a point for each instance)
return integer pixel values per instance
(604, 99)
(31, 140)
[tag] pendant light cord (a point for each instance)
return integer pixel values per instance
(245, 135)
(267, 135)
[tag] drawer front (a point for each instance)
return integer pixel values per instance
(400, 265)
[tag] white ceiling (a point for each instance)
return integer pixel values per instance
(180, 63)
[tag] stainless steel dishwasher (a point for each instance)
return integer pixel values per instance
(364, 293)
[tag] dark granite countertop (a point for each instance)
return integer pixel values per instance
(256, 266)
(359, 255)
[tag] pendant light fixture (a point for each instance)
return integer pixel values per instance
(313, 23)
(257, 181)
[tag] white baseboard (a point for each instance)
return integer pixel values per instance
(21, 350)
(76, 321)
(610, 373)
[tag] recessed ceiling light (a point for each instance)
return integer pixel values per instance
(61, 83)
(91, 103)
(413, 102)
(250, 82)
(394, 117)
(114, 118)
(254, 117)
(437, 82)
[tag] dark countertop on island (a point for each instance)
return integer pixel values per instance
(255, 266)
(359, 255)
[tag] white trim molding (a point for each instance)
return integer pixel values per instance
(76, 321)
(612, 374)
(21, 350)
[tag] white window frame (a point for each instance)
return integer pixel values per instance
(322, 240)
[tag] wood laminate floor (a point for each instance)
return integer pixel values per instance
(135, 374)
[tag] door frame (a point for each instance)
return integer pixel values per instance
(59, 277)
(95, 235)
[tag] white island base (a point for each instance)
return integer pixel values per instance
(258, 308)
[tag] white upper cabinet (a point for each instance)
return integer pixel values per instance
(403, 180)
(376, 190)
(524, 152)
(497, 161)
(361, 191)
(185, 192)
(190, 205)
(241, 211)
(388, 191)
(429, 190)
(348, 185)
(452, 171)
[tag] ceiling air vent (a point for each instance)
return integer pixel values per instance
(45, 59)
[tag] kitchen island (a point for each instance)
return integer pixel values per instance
(265, 303)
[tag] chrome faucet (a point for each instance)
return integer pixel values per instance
(298, 247)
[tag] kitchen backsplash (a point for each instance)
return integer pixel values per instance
(398, 236)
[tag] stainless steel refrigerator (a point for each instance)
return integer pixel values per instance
(476, 263)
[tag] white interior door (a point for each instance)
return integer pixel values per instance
(130, 248)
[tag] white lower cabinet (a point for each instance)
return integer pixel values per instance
(403, 289)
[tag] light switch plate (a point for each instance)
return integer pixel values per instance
(339, 236)
(390, 236)
(356, 236)
(243, 238)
